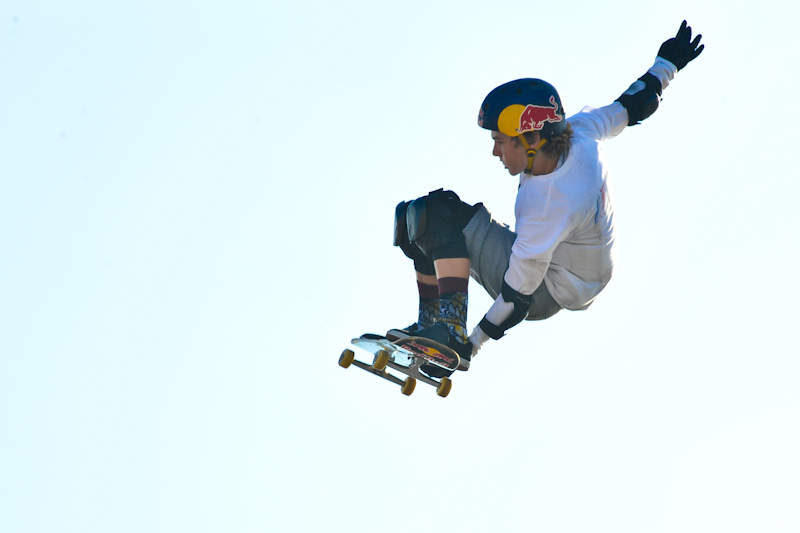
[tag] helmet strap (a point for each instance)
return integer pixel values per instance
(530, 151)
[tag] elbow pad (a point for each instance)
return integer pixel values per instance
(522, 305)
(641, 99)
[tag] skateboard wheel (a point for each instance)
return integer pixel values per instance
(444, 387)
(408, 386)
(346, 359)
(380, 360)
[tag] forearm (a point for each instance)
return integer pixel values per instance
(643, 96)
(641, 99)
(509, 309)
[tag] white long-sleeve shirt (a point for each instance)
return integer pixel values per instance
(565, 219)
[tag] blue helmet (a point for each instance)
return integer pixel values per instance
(524, 105)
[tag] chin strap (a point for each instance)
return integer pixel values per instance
(530, 151)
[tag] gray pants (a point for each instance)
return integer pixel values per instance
(489, 243)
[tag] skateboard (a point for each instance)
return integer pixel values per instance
(405, 355)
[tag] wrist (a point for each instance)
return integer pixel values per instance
(492, 331)
(664, 70)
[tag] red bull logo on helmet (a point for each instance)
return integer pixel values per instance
(533, 117)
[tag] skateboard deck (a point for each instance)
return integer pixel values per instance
(405, 355)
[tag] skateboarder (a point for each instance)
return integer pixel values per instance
(561, 253)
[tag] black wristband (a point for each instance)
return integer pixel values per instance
(490, 329)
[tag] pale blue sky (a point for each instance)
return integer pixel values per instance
(196, 207)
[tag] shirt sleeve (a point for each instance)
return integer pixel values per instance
(603, 123)
(663, 70)
(540, 227)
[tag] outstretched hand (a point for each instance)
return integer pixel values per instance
(681, 49)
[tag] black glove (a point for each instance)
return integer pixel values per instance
(681, 49)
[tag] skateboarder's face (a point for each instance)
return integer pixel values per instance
(511, 153)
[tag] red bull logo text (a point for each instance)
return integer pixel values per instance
(533, 117)
(432, 353)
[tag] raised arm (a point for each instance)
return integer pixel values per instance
(642, 98)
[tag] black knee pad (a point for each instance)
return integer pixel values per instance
(400, 235)
(422, 263)
(434, 224)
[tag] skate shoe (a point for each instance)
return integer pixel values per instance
(410, 331)
(441, 334)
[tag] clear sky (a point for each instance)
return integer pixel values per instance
(196, 205)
